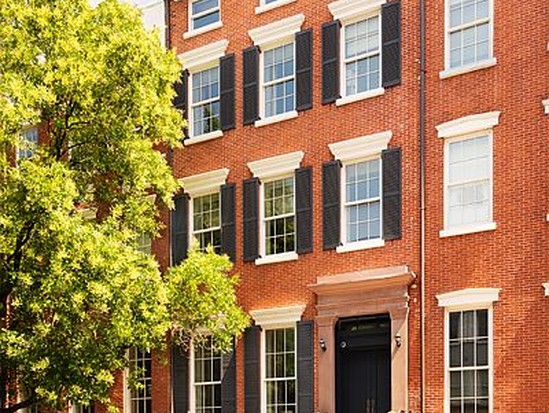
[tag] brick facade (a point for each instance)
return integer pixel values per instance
(512, 257)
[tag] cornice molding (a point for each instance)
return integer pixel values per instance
(277, 165)
(204, 55)
(279, 30)
(349, 9)
(468, 124)
(469, 297)
(361, 147)
(278, 316)
(204, 183)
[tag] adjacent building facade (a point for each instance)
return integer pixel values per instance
(377, 172)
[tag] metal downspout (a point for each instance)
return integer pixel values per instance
(422, 45)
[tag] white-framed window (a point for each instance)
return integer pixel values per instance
(279, 226)
(82, 408)
(28, 144)
(468, 173)
(202, 65)
(362, 201)
(203, 13)
(141, 399)
(204, 102)
(468, 348)
(278, 68)
(279, 387)
(361, 56)
(469, 36)
(468, 188)
(206, 375)
(360, 49)
(206, 221)
(266, 5)
(277, 211)
(361, 190)
(277, 62)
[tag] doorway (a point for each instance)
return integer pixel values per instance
(363, 364)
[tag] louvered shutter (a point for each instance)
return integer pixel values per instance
(304, 209)
(227, 92)
(228, 382)
(250, 59)
(181, 98)
(228, 220)
(251, 370)
(250, 215)
(180, 379)
(391, 162)
(304, 69)
(180, 229)
(331, 194)
(390, 27)
(305, 366)
(330, 62)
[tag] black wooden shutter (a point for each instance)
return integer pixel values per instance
(391, 162)
(180, 229)
(305, 366)
(228, 220)
(228, 382)
(304, 209)
(250, 194)
(250, 59)
(330, 62)
(227, 91)
(390, 28)
(180, 380)
(331, 194)
(181, 98)
(251, 370)
(304, 69)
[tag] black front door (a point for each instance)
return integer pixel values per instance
(363, 364)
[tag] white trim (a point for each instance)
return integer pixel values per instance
(278, 31)
(456, 71)
(277, 165)
(545, 104)
(204, 183)
(360, 245)
(202, 30)
(344, 10)
(362, 147)
(489, 224)
(203, 138)
(447, 312)
(266, 7)
(469, 297)
(276, 118)
(276, 258)
(491, 61)
(202, 56)
(546, 288)
(277, 317)
(468, 124)
(360, 96)
(468, 229)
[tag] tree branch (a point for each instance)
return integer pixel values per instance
(18, 406)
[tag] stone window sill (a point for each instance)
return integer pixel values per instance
(360, 96)
(266, 7)
(202, 30)
(203, 138)
(360, 245)
(275, 258)
(484, 64)
(467, 229)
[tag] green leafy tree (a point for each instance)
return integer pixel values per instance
(76, 294)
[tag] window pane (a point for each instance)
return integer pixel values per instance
(455, 384)
(206, 20)
(201, 6)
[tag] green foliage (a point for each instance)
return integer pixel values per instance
(76, 294)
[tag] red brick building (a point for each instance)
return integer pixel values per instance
(377, 172)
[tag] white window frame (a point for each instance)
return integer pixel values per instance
(18, 150)
(468, 127)
(208, 135)
(267, 170)
(545, 104)
(199, 185)
(467, 300)
(349, 12)
(370, 243)
(263, 86)
(191, 32)
(264, 7)
(483, 64)
(192, 231)
(271, 319)
(192, 382)
(353, 151)
(268, 37)
(128, 402)
(197, 60)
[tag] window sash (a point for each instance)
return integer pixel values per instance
(276, 81)
(195, 16)
(464, 26)
(210, 385)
